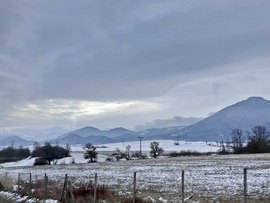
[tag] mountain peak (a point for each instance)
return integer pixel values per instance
(89, 128)
(256, 101)
(117, 128)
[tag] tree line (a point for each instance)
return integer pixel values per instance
(13, 154)
(91, 153)
(257, 140)
(49, 154)
(46, 154)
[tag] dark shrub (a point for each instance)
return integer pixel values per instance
(50, 153)
(40, 161)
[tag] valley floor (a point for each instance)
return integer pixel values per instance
(215, 178)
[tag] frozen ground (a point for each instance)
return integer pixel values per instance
(212, 178)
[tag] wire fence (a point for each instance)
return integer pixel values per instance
(204, 185)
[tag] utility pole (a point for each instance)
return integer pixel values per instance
(140, 138)
(4, 135)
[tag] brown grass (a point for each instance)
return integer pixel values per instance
(78, 193)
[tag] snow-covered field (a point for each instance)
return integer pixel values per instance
(167, 145)
(106, 149)
(210, 178)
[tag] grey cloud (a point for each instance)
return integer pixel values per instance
(153, 66)
(122, 50)
(8, 20)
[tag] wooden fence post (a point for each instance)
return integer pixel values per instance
(183, 186)
(245, 185)
(45, 186)
(19, 181)
(30, 182)
(134, 188)
(6, 179)
(69, 189)
(95, 189)
(64, 188)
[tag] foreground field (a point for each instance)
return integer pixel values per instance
(215, 178)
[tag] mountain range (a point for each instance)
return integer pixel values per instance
(217, 127)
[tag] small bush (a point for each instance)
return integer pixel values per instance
(109, 159)
(40, 161)
(188, 153)
(224, 151)
(138, 155)
(173, 154)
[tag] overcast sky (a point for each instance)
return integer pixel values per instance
(69, 64)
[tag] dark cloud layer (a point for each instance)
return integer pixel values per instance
(124, 50)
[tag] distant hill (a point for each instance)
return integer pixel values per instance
(84, 132)
(77, 139)
(87, 131)
(243, 115)
(118, 132)
(165, 123)
(15, 140)
(161, 133)
(94, 135)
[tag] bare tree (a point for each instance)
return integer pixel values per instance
(258, 140)
(127, 155)
(155, 149)
(258, 134)
(238, 138)
(118, 154)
